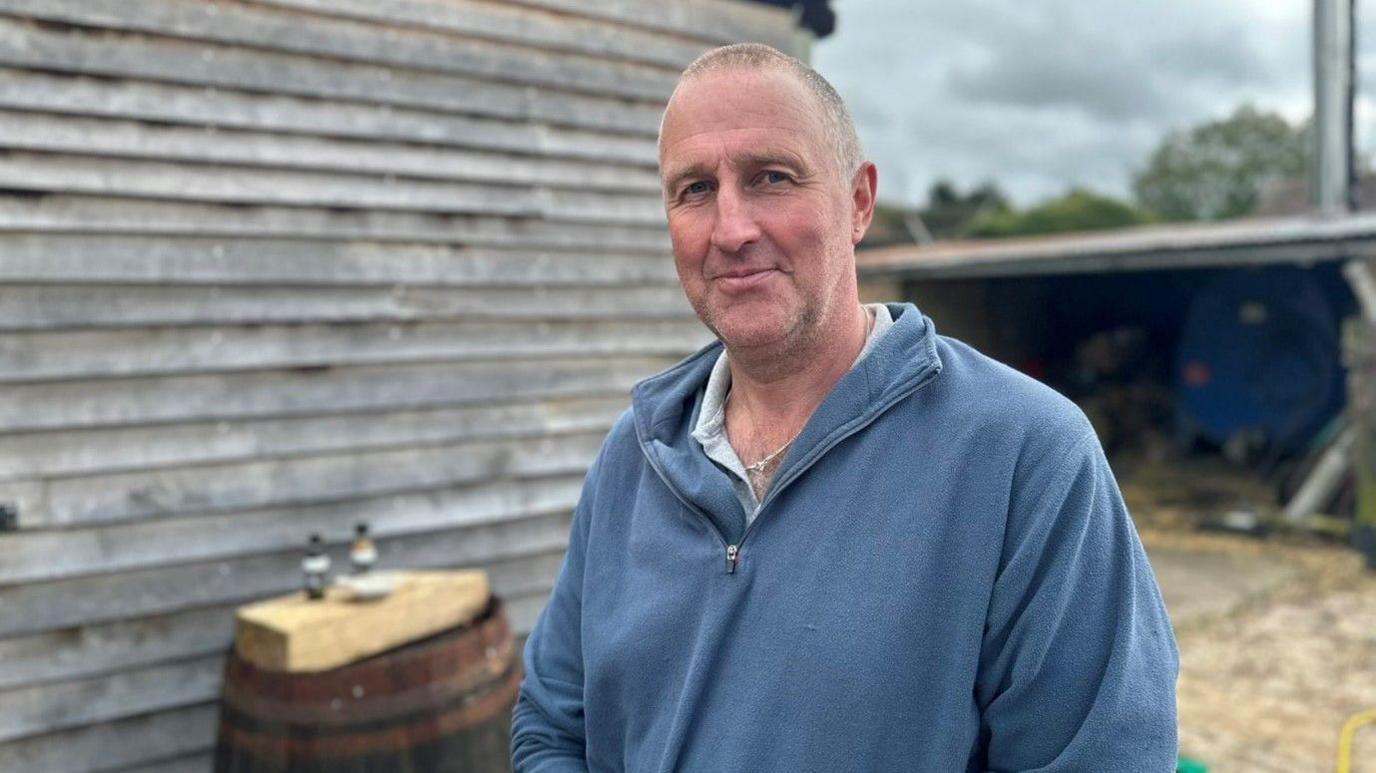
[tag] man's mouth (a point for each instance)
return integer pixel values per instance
(742, 280)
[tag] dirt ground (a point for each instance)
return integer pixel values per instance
(1277, 635)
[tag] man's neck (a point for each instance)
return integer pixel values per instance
(778, 391)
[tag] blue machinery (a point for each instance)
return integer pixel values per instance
(1258, 360)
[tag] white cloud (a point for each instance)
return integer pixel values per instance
(1042, 96)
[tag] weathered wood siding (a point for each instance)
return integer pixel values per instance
(271, 267)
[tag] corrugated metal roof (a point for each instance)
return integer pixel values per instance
(1304, 240)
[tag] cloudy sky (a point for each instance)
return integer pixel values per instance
(1040, 96)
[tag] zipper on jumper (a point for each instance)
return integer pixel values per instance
(733, 551)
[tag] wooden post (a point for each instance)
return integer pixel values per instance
(1359, 352)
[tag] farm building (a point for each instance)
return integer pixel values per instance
(1226, 335)
(273, 267)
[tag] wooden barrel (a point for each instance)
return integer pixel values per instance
(438, 704)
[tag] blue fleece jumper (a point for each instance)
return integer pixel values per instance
(942, 577)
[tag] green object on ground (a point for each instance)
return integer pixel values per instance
(1187, 765)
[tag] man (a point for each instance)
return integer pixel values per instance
(835, 541)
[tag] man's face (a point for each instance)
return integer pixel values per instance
(762, 223)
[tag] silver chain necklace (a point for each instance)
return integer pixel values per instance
(758, 466)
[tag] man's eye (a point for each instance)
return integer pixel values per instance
(774, 178)
(697, 188)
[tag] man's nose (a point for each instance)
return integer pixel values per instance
(735, 226)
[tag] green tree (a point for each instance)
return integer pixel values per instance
(1217, 170)
(888, 227)
(1078, 210)
(946, 216)
(949, 212)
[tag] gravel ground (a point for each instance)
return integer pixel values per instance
(1267, 681)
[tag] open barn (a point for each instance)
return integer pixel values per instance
(1224, 337)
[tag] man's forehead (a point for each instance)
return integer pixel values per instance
(771, 110)
(739, 96)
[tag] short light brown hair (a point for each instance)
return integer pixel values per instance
(836, 120)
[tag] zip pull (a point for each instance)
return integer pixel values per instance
(732, 553)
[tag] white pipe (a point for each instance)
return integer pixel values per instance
(1333, 90)
(1363, 284)
(1323, 481)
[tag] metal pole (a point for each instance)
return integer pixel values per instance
(1333, 90)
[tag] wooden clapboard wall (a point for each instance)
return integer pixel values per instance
(271, 267)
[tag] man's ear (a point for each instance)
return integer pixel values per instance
(862, 189)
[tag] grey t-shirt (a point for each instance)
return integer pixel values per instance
(710, 431)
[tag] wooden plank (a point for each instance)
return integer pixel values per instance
(32, 710)
(65, 307)
(126, 402)
(34, 556)
(506, 22)
(36, 356)
(47, 173)
(174, 61)
(298, 634)
(281, 30)
(40, 607)
(208, 145)
(263, 264)
(111, 745)
(88, 214)
(523, 609)
(88, 650)
(187, 730)
(227, 109)
(88, 500)
(102, 648)
(720, 21)
(118, 449)
(193, 763)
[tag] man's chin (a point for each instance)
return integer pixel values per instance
(751, 333)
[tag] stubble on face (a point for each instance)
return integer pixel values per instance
(785, 328)
(722, 131)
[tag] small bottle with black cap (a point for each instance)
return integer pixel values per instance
(316, 566)
(363, 552)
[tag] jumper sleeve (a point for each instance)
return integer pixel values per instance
(1078, 663)
(547, 731)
